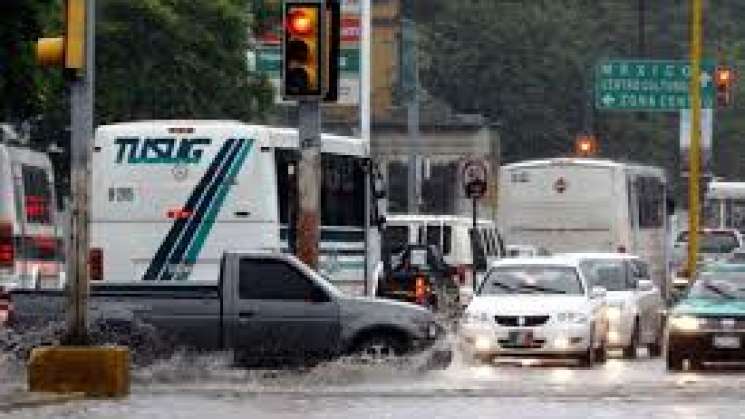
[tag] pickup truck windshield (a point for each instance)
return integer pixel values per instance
(532, 280)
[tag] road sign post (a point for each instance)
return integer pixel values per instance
(651, 85)
(475, 175)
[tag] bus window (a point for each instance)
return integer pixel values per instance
(37, 195)
(440, 237)
(397, 238)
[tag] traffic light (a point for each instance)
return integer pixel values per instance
(724, 79)
(67, 51)
(302, 75)
(586, 145)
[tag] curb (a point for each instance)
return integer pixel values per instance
(23, 400)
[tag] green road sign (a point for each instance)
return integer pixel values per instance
(269, 60)
(649, 85)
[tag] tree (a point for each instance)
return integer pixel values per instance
(176, 59)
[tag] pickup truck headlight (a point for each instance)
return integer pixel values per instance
(572, 317)
(685, 323)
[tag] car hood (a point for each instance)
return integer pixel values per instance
(529, 305)
(619, 297)
(384, 308)
(709, 306)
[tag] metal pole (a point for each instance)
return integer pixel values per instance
(365, 117)
(411, 86)
(474, 240)
(309, 182)
(81, 103)
(366, 223)
(695, 148)
(365, 68)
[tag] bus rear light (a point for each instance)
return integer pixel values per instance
(178, 214)
(7, 250)
(95, 264)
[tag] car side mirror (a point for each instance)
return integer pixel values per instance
(598, 292)
(645, 285)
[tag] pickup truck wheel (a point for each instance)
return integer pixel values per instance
(629, 352)
(380, 348)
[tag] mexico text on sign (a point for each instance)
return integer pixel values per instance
(654, 85)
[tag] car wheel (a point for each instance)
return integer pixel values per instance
(587, 359)
(601, 353)
(655, 349)
(674, 360)
(629, 352)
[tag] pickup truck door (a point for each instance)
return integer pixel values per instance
(281, 312)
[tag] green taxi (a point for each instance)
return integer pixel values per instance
(708, 324)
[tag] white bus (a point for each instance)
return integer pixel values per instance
(724, 206)
(169, 197)
(31, 250)
(586, 205)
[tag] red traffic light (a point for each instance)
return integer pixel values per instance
(724, 76)
(300, 22)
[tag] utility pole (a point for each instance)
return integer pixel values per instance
(81, 105)
(641, 28)
(309, 182)
(695, 147)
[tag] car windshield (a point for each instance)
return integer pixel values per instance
(532, 280)
(719, 285)
(714, 241)
(607, 273)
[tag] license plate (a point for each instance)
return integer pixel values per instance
(521, 337)
(727, 342)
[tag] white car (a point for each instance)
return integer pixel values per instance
(635, 305)
(539, 307)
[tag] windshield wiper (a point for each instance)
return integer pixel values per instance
(543, 289)
(503, 286)
(719, 291)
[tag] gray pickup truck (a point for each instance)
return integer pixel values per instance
(264, 306)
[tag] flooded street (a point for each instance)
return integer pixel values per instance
(192, 388)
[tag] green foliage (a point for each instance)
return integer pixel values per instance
(529, 65)
(175, 59)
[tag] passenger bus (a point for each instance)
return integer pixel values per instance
(169, 197)
(724, 206)
(587, 205)
(31, 251)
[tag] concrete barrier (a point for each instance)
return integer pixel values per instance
(96, 371)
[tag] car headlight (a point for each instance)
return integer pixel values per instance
(571, 317)
(475, 318)
(685, 323)
(614, 311)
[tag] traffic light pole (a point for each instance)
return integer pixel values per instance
(695, 148)
(309, 182)
(81, 103)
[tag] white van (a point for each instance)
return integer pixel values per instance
(31, 251)
(452, 235)
(169, 197)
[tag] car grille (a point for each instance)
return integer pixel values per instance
(521, 321)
